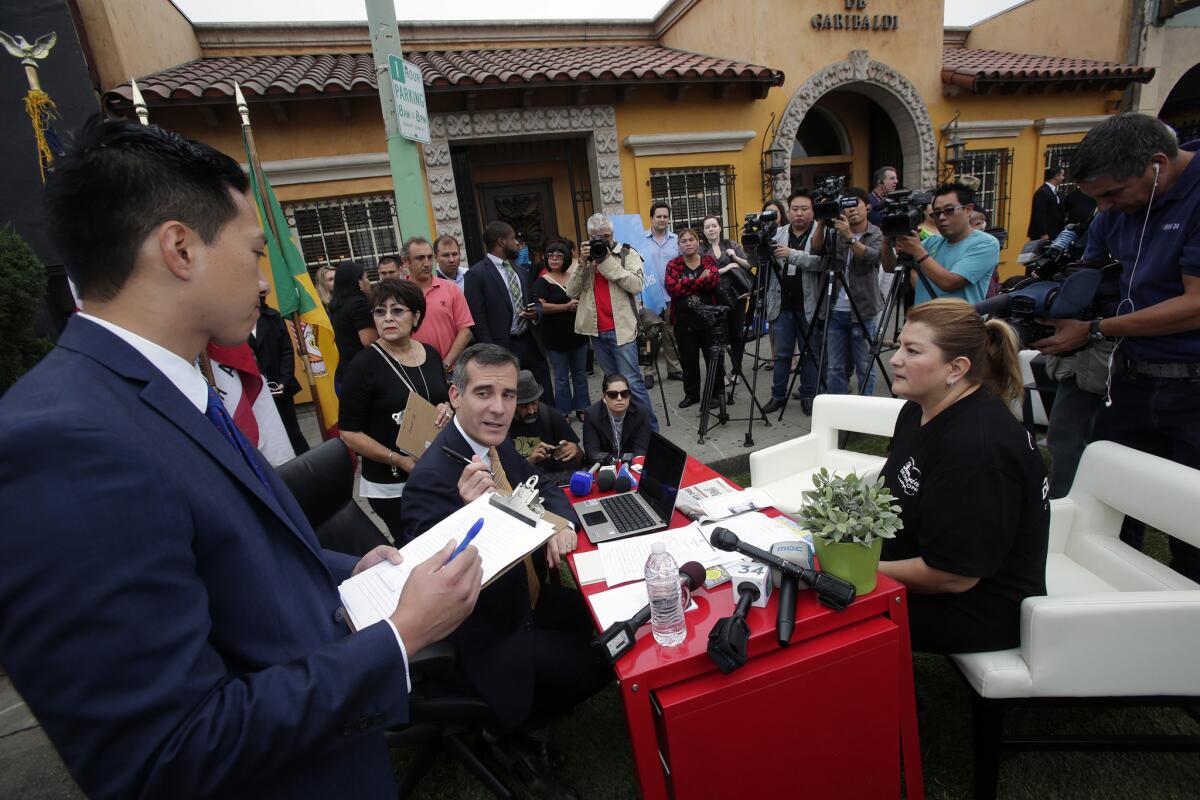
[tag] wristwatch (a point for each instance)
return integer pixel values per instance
(1094, 334)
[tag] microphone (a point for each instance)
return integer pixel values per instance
(620, 637)
(614, 479)
(797, 553)
(728, 638)
(832, 591)
(605, 478)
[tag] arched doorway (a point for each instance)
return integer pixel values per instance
(845, 134)
(1181, 109)
(898, 101)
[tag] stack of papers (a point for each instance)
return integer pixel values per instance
(622, 603)
(371, 595)
(727, 505)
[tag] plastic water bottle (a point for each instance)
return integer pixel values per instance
(666, 599)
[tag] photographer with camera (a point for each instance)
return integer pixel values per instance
(1147, 190)
(606, 281)
(792, 308)
(857, 250)
(689, 275)
(959, 261)
(886, 181)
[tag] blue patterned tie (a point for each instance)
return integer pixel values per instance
(219, 417)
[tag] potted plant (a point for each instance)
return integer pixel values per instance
(849, 516)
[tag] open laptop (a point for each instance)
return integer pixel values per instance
(645, 509)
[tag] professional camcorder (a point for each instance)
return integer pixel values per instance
(598, 249)
(904, 212)
(1057, 286)
(700, 316)
(828, 201)
(759, 230)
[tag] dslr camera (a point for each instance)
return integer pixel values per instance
(759, 230)
(904, 212)
(598, 249)
(828, 201)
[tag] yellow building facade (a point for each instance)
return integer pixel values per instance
(782, 93)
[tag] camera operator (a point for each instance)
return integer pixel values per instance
(691, 274)
(959, 260)
(792, 307)
(1147, 191)
(886, 180)
(608, 306)
(857, 247)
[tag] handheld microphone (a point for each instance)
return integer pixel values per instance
(832, 591)
(797, 553)
(728, 638)
(620, 637)
(605, 478)
(581, 483)
(623, 481)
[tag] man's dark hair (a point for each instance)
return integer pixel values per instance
(485, 355)
(389, 260)
(860, 193)
(656, 205)
(798, 193)
(961, 191)
(445, 238)
(1121, 147)
(118, 182)
(881, 173)
(345, 283)
(416, 240)
(493, 232)
(404, 292)
(1050, 172)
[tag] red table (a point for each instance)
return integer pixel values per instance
(830, 715)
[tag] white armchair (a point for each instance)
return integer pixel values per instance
(786, 469)
(1114, 624)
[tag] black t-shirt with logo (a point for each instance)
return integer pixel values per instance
(973, 492)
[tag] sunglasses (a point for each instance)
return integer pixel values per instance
(396, 312)
(617, 394)
(944, 212)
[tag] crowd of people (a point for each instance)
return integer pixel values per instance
(186, 577)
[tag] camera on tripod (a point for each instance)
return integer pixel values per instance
(759, 230)
(701, 316)
(904, 212)
(828, 201)
(598, 249)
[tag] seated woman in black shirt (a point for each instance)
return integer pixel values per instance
(969, 480)
(350, 316)
(616, 425)
(375, 390)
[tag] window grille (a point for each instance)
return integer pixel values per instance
(1060, 155)
(359, 228)
(993, 168)
(695, 193)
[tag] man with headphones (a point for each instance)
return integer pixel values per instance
(1147, 192)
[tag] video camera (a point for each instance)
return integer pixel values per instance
(700, 316)
(759, 230)
(828, 201)
(1058, 285)
(904, 212)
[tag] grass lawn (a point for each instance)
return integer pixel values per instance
(601, 765)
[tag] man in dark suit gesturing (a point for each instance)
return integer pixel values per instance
(525, 648)
(168, 613)
(504, 309)
(1046, 217)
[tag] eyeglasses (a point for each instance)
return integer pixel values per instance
(937, 213)
(396, 312)
(617, 394)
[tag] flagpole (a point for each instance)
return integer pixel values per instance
(269, 220)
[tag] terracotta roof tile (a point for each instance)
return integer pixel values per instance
(442, 71)
(976, 69)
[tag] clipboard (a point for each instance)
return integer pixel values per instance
(418, 426)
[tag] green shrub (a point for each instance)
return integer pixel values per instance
(850, 508)
(22, 289)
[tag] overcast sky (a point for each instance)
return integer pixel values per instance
(958, 12)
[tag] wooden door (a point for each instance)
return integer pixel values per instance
(526, 205)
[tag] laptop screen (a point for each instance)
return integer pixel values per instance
(662, 472)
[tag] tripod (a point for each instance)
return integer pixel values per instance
(764, 263)
(717, 349)
(900, 280)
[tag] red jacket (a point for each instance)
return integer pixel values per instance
(682, 282)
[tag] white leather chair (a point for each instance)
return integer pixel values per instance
(1115, 625)
(786, 469)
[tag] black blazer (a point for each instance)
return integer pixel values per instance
(273, 350)
(495, 644)
(489, 301)
(598, 433)
(1046, 218)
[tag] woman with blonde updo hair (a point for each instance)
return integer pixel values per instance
(969, 480)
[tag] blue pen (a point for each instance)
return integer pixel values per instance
(471, 534)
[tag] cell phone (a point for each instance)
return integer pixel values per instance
(529, 306)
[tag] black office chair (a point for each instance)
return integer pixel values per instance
(322, 481)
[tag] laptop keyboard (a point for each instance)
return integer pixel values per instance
(626, 513)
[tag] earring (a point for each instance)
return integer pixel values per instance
(949, 381)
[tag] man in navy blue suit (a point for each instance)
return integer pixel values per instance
(505, 311)
(530, 660)
(165, 608)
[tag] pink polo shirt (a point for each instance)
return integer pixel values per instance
(446, 314)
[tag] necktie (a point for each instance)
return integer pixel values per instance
(504, 487)
(219, 417)
(514, 294)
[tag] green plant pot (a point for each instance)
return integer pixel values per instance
(850, 561)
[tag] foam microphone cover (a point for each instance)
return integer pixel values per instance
(623, 481)
(695, 573)
(581, 483)
(605, 479)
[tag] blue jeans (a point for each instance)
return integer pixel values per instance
(622, 360)
(570, 378)
(845, 337)
(788, 331)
